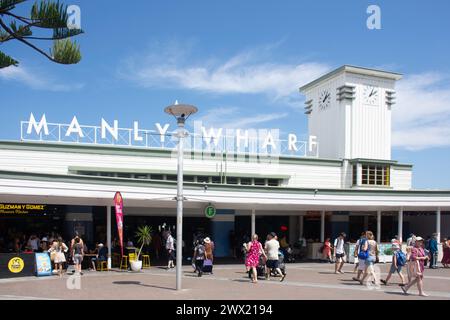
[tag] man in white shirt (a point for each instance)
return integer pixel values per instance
(339, 253)
(170, 250)
(271, 247)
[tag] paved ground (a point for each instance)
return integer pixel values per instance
(304, 281)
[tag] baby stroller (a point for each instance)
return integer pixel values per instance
(281, 265)
(260, 269)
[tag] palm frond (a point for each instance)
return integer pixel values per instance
(65, 51)
(49, 14)
(7, 61)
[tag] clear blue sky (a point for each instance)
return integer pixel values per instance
(241, 62)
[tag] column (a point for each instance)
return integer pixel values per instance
(108, 234)
(300, 225)
(400, 225)
(379, 226)
(322, 226)
(253, 223)
(438, 224)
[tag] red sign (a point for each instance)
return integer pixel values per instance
(118, 202)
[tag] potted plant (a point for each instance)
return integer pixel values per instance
(144, 237)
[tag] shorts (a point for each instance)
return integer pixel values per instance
(362, 265)
(171, 255)
(370, 261)
(272, 264)
(393, 269)
(77, 259)
(340, 256)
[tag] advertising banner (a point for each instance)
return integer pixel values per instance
(43, 264)
(118, 203)
(16, 265)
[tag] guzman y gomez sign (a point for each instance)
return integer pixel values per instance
(204, 139)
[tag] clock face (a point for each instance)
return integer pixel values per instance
(324, 99)
(371, 95)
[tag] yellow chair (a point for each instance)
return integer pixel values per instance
(145, 261)
(132, 257)
(124, 263)
(102, 265)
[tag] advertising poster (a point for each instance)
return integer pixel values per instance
(43, 264)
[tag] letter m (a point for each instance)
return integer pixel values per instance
(37, 126)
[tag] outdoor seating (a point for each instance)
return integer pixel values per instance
(124, 263)
(145, 261)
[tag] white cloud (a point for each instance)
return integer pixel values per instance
(421, 119)
(231, 118)
(35, 80)
(248, 72)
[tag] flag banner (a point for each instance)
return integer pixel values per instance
(118, 202)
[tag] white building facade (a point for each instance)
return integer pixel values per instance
(351, 183)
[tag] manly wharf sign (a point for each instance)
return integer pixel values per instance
(255, 142)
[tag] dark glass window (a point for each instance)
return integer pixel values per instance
(273, 182)
(232, 180)
(260, 182)
(246, 181)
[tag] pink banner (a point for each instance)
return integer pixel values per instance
(118, 202)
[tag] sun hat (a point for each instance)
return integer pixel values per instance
(207, 240)
(44, 239)
(419, 239)
(100, 244)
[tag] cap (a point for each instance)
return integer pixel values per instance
(419, 239)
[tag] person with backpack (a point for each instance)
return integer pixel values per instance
(339, 253)
(398, 261)
(370, 252)
(199, 256)
(361, 255)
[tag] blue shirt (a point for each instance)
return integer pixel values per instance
(433, 245)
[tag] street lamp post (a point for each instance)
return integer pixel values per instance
(181, 112)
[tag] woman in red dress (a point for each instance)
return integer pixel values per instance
(255, 250)
(326, 252)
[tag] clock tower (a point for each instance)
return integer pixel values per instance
(349, 111)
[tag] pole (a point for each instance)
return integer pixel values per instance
(438, 225)
(253, 223)
(179, 248)
(322, 226)
(108, 234)
(379, 226)
(400, 225)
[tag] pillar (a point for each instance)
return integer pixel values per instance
(400, 225)
(253, 224)
(108, 234)
(379, 226)
(322, 226)
(300, 225)
(438, 224)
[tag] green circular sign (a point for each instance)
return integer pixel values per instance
(210, 211)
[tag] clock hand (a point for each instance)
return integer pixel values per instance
(371, 93)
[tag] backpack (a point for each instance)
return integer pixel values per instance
(401, 258)
(200, 251)
(363, 255)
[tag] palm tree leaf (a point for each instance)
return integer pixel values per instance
(49, 14)
(66, 52)
(62, 33)
(6, 61)
(6, 5)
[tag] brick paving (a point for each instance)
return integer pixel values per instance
(304, 281)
